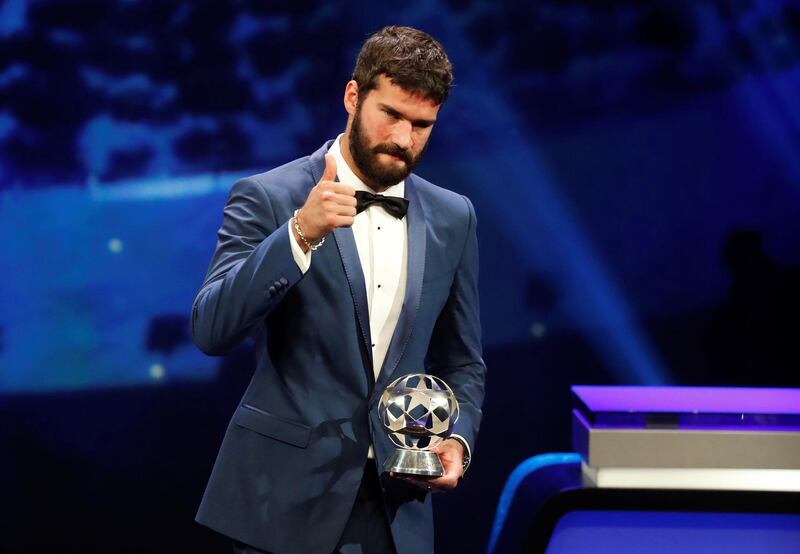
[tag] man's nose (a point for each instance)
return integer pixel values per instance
(401, 134)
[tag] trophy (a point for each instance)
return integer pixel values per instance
(419, 412)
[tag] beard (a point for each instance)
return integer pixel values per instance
(366, 157)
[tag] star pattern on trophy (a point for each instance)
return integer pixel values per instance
(419, 411)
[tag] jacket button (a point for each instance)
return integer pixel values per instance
(272, 290)
(284, 281)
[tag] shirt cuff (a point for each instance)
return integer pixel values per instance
(302, 259)
(467, 451)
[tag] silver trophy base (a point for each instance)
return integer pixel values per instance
(414, 462)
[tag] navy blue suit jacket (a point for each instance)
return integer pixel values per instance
(292, 458)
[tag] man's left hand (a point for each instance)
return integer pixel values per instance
(451, 454)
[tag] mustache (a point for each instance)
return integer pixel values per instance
(394, 150)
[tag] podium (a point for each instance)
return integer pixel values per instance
(661, 470)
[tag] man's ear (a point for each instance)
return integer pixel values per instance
(351, 97)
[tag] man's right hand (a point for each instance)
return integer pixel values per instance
(329, 205)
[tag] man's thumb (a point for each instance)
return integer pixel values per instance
(330, 168)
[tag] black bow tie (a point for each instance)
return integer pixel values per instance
(394, 205)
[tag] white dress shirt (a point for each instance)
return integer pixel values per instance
(382, 250)
(381, 241)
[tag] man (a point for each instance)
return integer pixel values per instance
(343, 293)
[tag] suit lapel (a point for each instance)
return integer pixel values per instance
(346, 244)
(414, 275)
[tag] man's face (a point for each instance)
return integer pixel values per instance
(389, 132)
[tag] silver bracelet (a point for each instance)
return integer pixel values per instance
(300, 234)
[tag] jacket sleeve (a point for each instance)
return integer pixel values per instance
(250, 272)
(455, 351)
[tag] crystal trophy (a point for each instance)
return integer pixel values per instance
(418, 412)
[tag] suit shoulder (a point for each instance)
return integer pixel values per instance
(443, 200)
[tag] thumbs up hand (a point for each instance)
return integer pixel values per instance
(329, 205)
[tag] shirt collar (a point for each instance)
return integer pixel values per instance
(346, 175)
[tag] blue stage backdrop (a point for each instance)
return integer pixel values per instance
(634, 167)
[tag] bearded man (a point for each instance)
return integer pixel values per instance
(348, 271)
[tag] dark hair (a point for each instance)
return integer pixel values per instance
(412, 59)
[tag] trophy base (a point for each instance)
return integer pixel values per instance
(414, 462)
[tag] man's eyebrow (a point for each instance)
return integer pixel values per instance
(415, 122)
